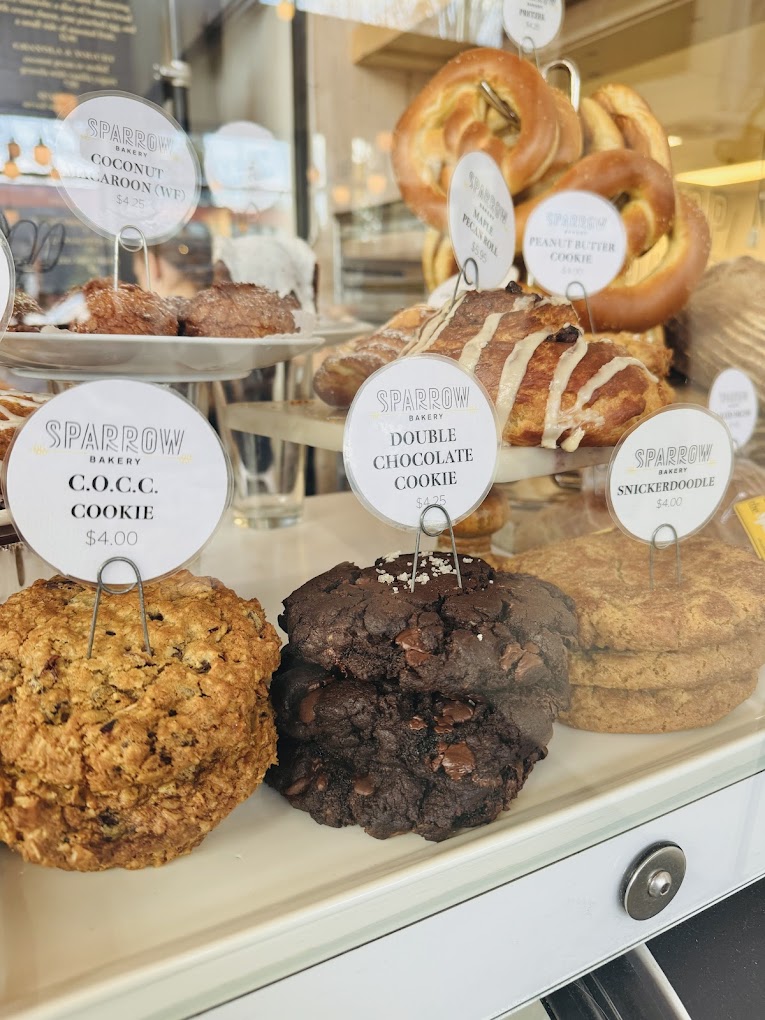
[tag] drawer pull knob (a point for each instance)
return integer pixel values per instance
(653, 881)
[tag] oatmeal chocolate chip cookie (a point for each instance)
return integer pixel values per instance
(127, 734)
(722, 593)
(496, 632)
(387, 799)
(605, 710)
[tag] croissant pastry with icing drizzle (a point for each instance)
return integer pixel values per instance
(550, 386)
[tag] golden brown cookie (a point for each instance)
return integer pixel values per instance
(722, 593)
(655, 711)
(128, 758)
(698, 667)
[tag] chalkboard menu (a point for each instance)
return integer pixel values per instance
(51, 49)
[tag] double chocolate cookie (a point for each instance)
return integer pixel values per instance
(418, 710)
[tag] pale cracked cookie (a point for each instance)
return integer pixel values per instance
(605, 710)
(722, 593)
(128, 758)
(698, 667)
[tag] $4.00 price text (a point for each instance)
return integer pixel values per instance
(118, 538)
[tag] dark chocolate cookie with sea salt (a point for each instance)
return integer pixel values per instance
(498, 631)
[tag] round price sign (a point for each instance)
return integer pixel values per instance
(116, 468)
(121, 160)
(733, 396)
(532, 24)
(7, 284)
(421, 431)
(482, 220)
(574, 238)
(672, 469)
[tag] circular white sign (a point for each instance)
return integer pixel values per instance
(121, 160)
(421, 431)
(481, 220)
(733, 396)
(7, 284)
(532, 24)
(672, 468)
(246, 168)
(116, 468)
(574, 243)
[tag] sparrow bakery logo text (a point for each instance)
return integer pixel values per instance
(114, 444)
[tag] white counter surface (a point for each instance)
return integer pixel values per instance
(270, 891)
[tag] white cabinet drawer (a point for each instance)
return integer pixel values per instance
(482, 958)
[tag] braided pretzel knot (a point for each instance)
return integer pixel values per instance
(451, 117)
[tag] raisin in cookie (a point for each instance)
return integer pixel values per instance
(129, 758)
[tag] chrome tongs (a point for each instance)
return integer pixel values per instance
(33, 246)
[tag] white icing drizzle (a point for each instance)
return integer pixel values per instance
(471, 352)
(585, 394)
(8, 418)
(513, 373)
(553, 427)
(433, 329)
(603, 375)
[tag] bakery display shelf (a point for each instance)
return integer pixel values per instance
(315, 424)
(270, 892)
(83, 356)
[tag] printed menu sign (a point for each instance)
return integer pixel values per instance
(574, 238)
(672, 469)
(122, 160)
(733, 396)
(51, 51)
(116, 468)
(420, 431)
(481, 220)
(532, 24)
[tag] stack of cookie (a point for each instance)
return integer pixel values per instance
(650, 661)
(129, 758)
(417, 711)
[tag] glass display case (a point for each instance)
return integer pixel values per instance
(536, 752)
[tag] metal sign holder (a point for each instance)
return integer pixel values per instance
(422, 528)
(120, 241)
(102, 586)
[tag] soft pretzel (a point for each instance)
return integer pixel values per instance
(599, 132)
(451, 116)
(634, 118)
(438, 261)
(664, 291)
(648, 211)
(569, 135)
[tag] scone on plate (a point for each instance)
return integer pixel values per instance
(240, 310)
(129, 759)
